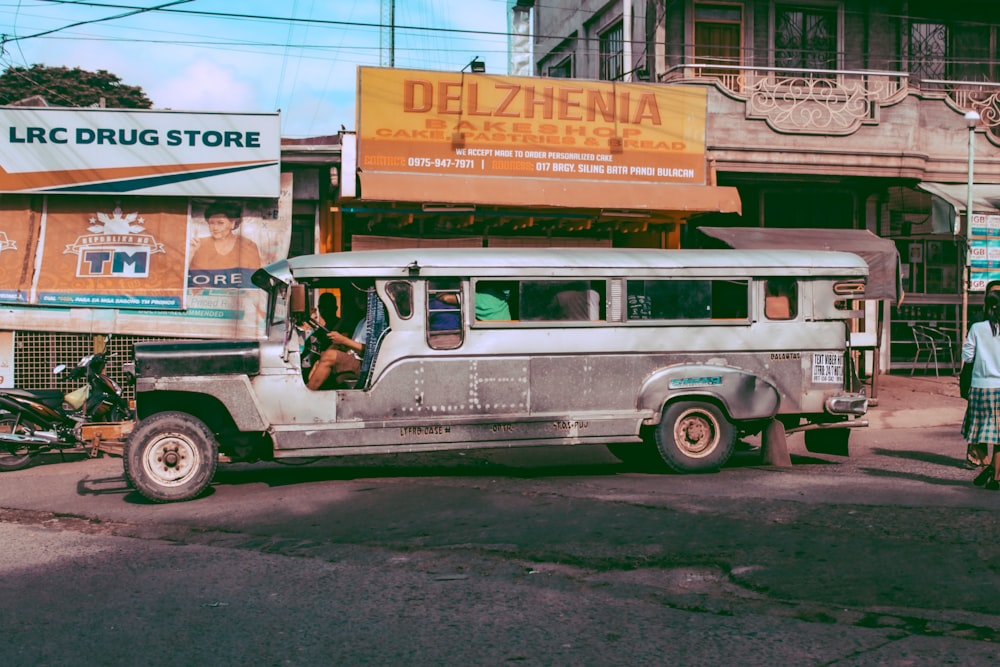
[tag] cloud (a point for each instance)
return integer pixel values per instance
(205, 86)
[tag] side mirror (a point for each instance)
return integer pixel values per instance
(298, 303)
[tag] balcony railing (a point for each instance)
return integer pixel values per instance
(978, 96)
(823, 101)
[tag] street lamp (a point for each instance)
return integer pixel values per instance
(477, 66)
(971, 120)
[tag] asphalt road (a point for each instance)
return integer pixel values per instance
(540, 557)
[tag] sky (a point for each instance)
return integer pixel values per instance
(299, 56)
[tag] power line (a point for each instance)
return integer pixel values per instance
(136, 10)
(260, 17)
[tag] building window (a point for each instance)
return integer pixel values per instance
(612, 50)
(562, 70)
(805, 37)
(718, 30)
(940, 48)
(928, 50)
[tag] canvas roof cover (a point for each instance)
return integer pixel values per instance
(880, 254)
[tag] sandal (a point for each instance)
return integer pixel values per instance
(984, 477)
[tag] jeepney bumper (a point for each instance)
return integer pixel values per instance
(851, 404)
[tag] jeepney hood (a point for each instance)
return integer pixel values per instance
(197, 357)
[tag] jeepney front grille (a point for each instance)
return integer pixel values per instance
(36, 353)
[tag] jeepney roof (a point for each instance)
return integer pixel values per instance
(571, 262)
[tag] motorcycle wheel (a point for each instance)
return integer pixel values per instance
(171, 456)
(13, 456)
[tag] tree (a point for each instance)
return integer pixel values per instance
(64, 87)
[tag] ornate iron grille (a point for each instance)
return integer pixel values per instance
(805, 38)
(928, 50)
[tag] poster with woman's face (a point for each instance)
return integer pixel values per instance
(223, 242)
(229, 239)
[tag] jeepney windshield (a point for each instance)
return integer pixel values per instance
(274, 280)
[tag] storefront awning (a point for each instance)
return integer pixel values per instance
(951, 199)
(985, 196)
(458, 190)
(880, 254)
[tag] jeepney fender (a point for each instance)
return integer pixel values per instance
(744, 396)
(234, 392)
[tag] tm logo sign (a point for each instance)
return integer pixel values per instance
(116, 248)
(118, 261)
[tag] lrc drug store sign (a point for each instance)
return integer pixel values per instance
(150, 152)
(125, 243)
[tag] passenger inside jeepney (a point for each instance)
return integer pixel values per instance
(444, 314)
(493, 300)
(780, 299)
(339, 365)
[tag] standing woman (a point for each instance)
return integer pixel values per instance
(982, 417)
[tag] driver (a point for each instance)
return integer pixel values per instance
(340, 364)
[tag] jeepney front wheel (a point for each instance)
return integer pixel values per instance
(694, 436)
(170, 457)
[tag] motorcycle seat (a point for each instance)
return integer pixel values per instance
(51, 397)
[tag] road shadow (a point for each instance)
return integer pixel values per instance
(925, 457)
(559, 464)
(276, 474)
(102, 486)
(915, 477)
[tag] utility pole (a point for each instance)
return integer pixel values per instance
(387, 34)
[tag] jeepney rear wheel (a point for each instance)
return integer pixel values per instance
(170, 457)
(13, 456)
(694, 436)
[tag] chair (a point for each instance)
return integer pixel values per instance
(931, 341)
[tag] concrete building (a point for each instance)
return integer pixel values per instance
(854, 114)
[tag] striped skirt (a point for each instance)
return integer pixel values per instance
(982, 417)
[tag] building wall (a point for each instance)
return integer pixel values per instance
(847, 150)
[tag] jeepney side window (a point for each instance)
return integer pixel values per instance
(444, 314)
(562, 300)
(496, 300)
(401, 294)
(688, 299)
(781, 299)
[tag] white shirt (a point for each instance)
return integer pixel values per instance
(360, 334)
(984, 347)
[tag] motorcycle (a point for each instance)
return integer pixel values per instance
(94, 418)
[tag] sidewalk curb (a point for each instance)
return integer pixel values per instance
(940, 416)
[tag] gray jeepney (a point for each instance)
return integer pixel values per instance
(666, 356)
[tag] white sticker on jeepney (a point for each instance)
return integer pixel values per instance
(828, 368)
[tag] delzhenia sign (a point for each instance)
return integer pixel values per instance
(105, 151)
(477, 124)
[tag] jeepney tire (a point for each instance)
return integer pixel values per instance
(170, 457)
(695, 436)
(833, 441)
(13, 457)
